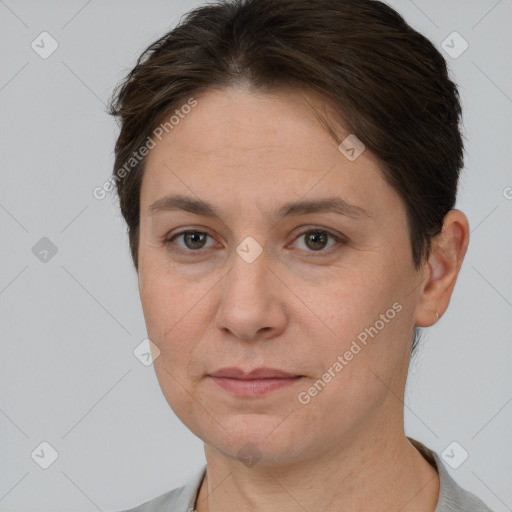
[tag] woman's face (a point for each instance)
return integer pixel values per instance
(270, 281)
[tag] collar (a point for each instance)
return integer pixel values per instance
(451, 495)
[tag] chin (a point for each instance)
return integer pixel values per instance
(254, 439)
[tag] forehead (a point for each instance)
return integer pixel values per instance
(230, 120)
(257, 146)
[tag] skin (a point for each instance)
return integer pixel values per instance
(247, 153)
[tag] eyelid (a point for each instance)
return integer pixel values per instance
(169, 240)
(339, 239)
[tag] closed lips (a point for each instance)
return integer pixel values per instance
(256, 374)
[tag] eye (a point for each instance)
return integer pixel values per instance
(193, 241)
(316, 240)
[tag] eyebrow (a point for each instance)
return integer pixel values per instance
(199, 207)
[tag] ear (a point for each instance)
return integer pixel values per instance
(447, 253)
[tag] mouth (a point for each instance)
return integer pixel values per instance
(256, 383)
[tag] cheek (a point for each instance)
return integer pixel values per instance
(365, 322)
(157, 303)
(160, 291)
(355, 377)
(164, 305)
(171, 308)
(168, 326)
(176, 313)
(350, 301)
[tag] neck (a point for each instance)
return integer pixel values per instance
(370, 472)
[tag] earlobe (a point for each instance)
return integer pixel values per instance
(446, 257)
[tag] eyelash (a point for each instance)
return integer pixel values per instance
(169, 242)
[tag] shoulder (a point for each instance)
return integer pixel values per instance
(181, 499)
(452, 497)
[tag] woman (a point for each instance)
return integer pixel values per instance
(288, 170)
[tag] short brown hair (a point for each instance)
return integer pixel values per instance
(379, 77)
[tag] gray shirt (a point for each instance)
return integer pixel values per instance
(452, 498)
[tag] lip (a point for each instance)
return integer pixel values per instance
(256, 383)
(257, 373)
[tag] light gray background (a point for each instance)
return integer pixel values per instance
(69, 326)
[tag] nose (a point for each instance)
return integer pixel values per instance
(252, 303)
